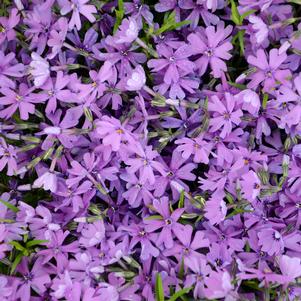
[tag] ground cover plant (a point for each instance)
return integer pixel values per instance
(150, 150)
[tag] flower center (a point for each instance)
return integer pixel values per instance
(142, 233)
(256, 186)
(246, 161)
(218, 262)
(269, 74)
(168, 221)
(277, 236)
(119, 131)
(209, 52)
(226, 116)
(18, 98)
(28, 277)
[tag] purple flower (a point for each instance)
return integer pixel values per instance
(268, 71)
(139, 11)
(8, 156)
(5, 289)
(260, 28)
(48, 181)
(188, 249)
(23, 100)
(107, 292)
(174, 63)
(290, 266)
(63, 287)
(7, 26)
(198, 147)
(216, 208)
(177, 171)
(57, 36)
(56, 90)
(77, 7)
(9, 68)
(146, 240)
(112, 132)
(199, 9)
(35, 278)
(271, 241)
(92, 234)
(167, 223)
(200, 271)
(224, 115)
(218, 285)
(179, 89)
(213, 47)
(145, 164)
(3, 246)
(250, 185)
(250, 101)
(137, 192)
(56, 249)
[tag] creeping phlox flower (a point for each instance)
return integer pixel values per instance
(150, 152)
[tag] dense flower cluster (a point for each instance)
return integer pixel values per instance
(150, 150)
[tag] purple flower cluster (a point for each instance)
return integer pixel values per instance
(150, 151)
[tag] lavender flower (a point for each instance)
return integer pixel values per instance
(77, 7)
(210, 43)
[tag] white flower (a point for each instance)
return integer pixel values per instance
(260, 28)
(48, 181)
(251, 101)
(128, 31)
(39, 69)
(137, 79)
(290, 266)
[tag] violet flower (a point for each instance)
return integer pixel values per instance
(213, 47)
(168, 224)
(77, 7)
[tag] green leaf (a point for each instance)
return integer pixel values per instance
(229, 198)
(265, 101)
(154, 217)
(179, 293)
(170, 23)
(9, 206)
(182, 269)
(17, 246)
(241, 42)
(235, 16)
(35, 243)
(15, 263)
(295, 1)
(159, 288)
(236, 85)
(119, 15)
(248, 13)
(180, 24)
(181, 200)
(189, 215)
